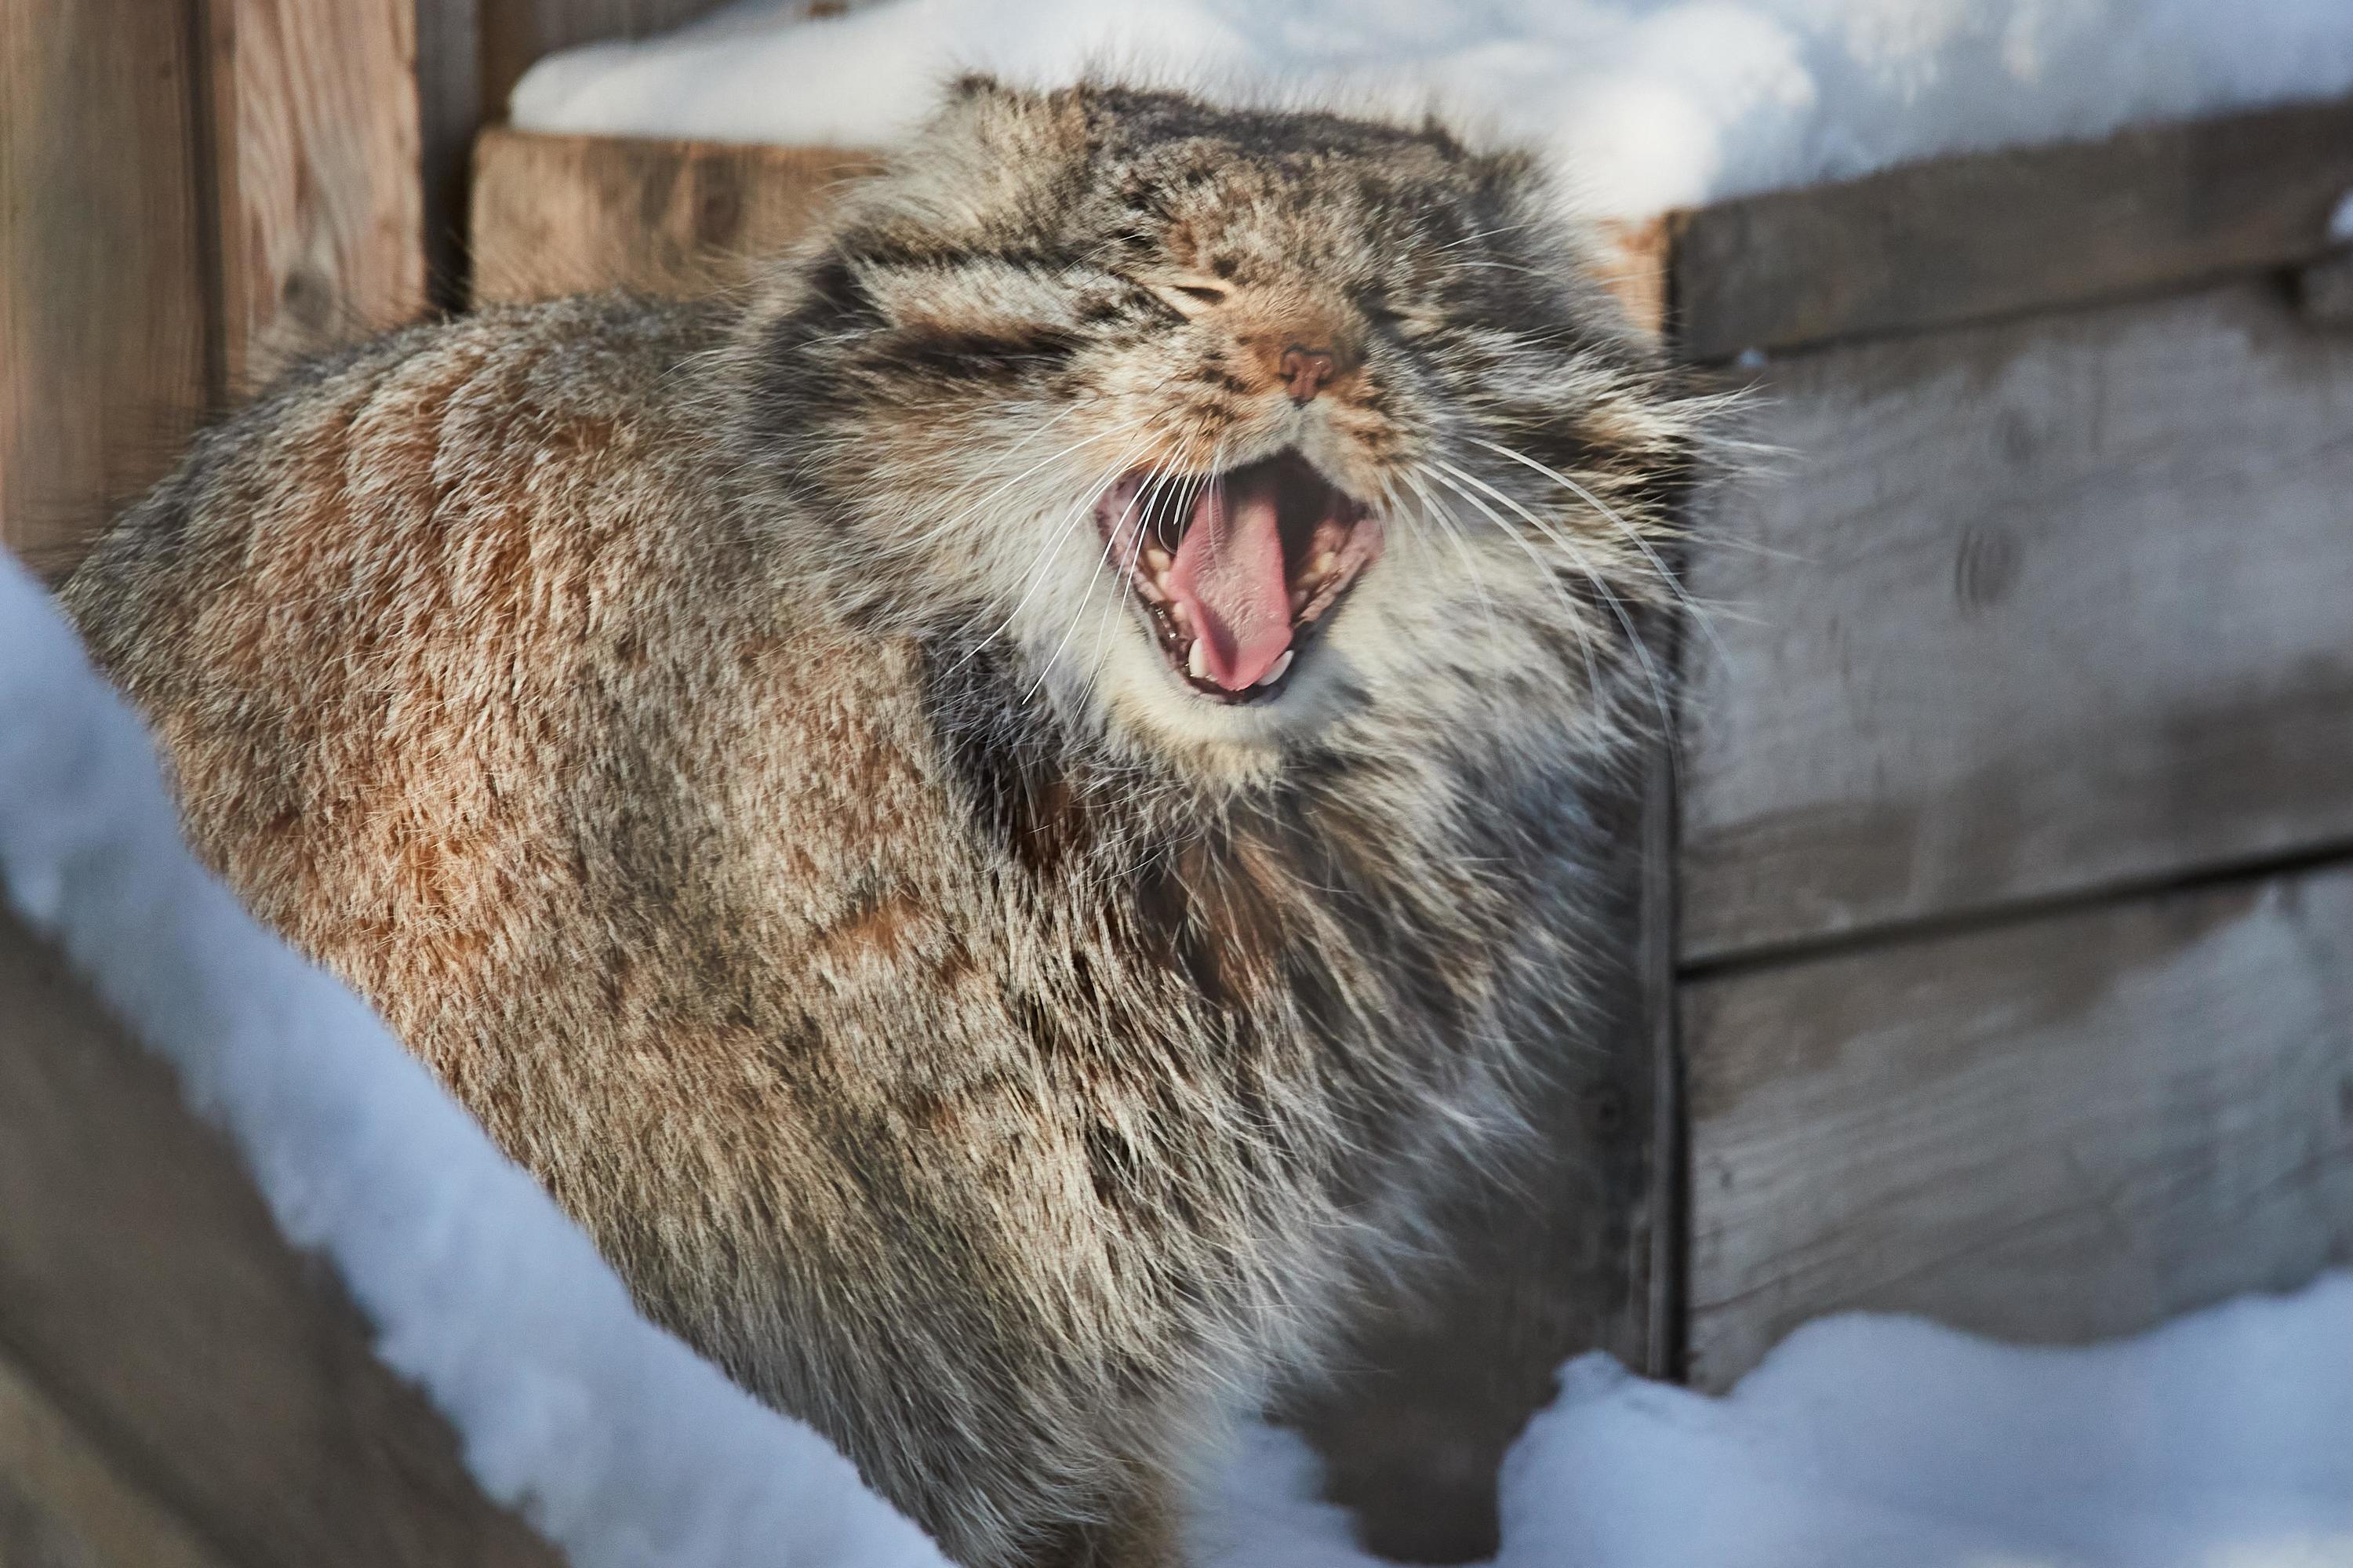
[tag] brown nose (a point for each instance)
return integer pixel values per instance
(1305, 370)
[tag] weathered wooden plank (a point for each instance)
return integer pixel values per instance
(102, 298)
(64, 1503)
(2059, 1129)
(2029, 610)
(318, 176)
(1962, 238)
(560, 215)
(144, 1288)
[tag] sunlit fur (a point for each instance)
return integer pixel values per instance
(714, 739)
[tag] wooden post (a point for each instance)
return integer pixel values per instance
(193, 193)
(178, 1385)
(105, 327)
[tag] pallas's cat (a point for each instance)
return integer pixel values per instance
(996, 817)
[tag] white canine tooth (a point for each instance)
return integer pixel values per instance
(1275, 672)
(1156, 559)
(1323, 563)
(1196, 663)
(1183, 617)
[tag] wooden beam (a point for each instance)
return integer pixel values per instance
(2059, 1130)
(194, 194)
(145, 1291)
(1967, 238)
(64, 1501)
(560, 215)
(104, 344)
(2029, 611)
(318, 174)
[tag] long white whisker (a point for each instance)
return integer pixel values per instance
(1460, 482)
(1657, 563)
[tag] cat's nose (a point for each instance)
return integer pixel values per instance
(1305, 371)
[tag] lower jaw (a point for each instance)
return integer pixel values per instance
(1172, 651)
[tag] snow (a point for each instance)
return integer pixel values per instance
(1644, 104)
(612, 1438)
(2224, 1440)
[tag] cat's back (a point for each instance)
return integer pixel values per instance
(395, 622)
(461, 468)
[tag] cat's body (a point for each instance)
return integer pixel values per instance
(947, 1004)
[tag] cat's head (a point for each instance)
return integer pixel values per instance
(1242, 430)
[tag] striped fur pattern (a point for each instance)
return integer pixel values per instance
(718, 740)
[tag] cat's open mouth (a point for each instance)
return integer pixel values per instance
(1235, 571)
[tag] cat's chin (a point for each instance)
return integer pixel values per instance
(1143, 701)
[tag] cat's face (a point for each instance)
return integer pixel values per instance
(1243, 428)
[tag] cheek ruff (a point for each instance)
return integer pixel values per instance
(1234, 572)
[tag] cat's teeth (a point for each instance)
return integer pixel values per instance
(1156, 559)
(1183, 617)
(1275, 673)
(1196, 663)
(1321, 566)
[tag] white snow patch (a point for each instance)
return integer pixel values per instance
(1644, 104)
(616, 1440)
(2224, 1440)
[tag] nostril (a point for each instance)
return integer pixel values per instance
(1305, 370)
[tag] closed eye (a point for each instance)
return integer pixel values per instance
(1193, 294)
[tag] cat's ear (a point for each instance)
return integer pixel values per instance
(977, 84)
(992, 164)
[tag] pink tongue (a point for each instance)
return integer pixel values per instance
(1229, 577)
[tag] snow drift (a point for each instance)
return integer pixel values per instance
(1644, 104)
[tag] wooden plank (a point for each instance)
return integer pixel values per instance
(449, 113)
(103, 342)
(1963, 238)
(2029, 610)
(2060, 1129)
(560, 215)
(143, 1288)
(318, 176)
(63, 1501)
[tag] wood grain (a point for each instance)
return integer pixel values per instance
(561, 215)
(2062, 1129)
(64, 1502)
(2029, 610)
(143, 1288)
(1962, 238)
(103, 306)
(318, 176)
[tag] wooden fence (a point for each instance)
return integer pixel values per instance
(1989, 926)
